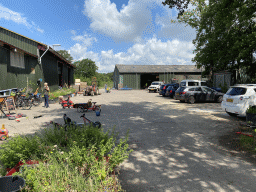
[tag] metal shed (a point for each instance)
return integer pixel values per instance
(20, 63)
(141, 76)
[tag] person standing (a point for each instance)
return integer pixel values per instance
(106, 88)
(46, 95)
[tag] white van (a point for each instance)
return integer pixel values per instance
(188, 83)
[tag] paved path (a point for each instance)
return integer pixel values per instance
(175, 144)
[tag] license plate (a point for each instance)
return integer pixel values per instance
(152, 89)
(177, 93)
(230, 100)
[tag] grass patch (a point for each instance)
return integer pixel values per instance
(63, 91)
(80, 159)
(247, 143)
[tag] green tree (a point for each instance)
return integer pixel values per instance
(66, 55)
(226, 36)
(190, 17)
(85, 68)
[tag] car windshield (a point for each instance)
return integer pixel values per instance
(193, 83)
(203, 83)
(236, 91)
(155, 84)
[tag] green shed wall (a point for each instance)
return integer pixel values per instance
(18, 41)
(12, 77)
(131, 81)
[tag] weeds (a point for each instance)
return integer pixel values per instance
(79, 159)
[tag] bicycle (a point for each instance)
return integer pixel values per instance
(84, 107)
(96, 124)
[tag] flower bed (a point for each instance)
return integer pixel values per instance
(76, 160)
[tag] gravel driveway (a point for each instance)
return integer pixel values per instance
(175, 144)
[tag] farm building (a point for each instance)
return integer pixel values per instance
(140, 76)
(25, 61)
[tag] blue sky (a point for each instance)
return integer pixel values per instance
(108, 32)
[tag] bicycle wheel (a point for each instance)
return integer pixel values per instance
(35, 101)
(80, 109)
(30, 104)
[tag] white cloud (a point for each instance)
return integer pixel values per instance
(16, 17)
(152, 52)
(126, 25)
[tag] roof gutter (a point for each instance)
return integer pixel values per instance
(40, 58)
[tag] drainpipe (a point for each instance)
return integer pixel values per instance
(40, 59)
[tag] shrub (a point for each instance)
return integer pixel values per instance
(77, 159)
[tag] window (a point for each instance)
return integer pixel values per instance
(198, 89)
(193, 83)
(17, 59)
(236, 91)
(192, 89)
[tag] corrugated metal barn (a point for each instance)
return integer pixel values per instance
(20, 63)
(140, 76)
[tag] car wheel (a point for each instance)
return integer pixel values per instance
(80, 109)
(219, 99)
(191, 100)
(232, 114)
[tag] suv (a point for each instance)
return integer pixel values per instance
(238, 98)
(155, 86)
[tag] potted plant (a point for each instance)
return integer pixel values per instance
(251, 114)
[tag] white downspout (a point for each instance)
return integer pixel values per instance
(40, 59)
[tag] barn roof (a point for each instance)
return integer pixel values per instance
(156, 68)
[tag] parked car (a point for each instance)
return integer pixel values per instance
(163, 89)
(180, 94)
(188, 83)
(170, 91)
(155, 86)
(238, 98)
(199, 94)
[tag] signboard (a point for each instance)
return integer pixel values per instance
(77, 83)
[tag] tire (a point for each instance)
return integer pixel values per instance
(191, 99)
(219, 99)
(36, 102)
(3, 137)
(231, 114)
(80, 109)
(97, 124)
(23, 105)
(92, 93)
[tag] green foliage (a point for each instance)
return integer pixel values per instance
(66, 55)
(224, 88)
(63, 91)
(85, 68)
(221, 40)
(251, 109)
(76, 159)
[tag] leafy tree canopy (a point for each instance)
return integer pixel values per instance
(85, 68)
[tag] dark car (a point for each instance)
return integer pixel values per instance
(163, 89)
(199, 94)
(170, 91)
(180, 94)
